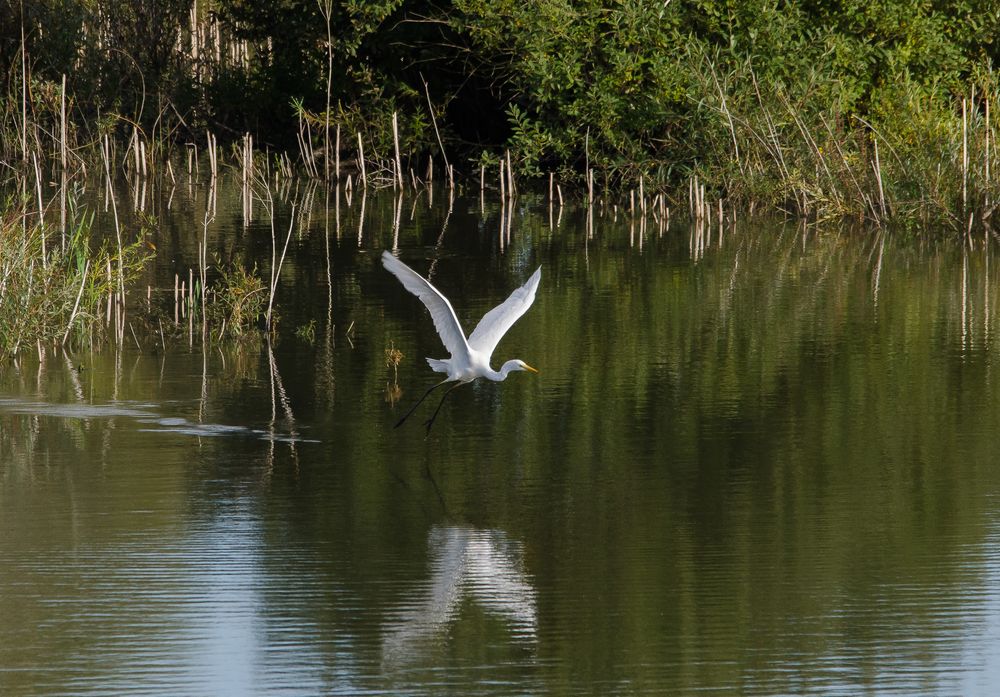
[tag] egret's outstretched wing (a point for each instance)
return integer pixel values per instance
(442, 313)
(497, 321)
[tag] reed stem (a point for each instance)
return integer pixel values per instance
(361, 162)
(395, 139)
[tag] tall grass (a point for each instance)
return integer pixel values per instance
(917, 156)
(53, 294)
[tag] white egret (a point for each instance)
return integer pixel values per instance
(470, 357)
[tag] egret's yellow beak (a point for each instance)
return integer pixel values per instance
(528, 367)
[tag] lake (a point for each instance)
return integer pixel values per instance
(758, 459)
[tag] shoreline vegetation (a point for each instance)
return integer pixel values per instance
(880, 115)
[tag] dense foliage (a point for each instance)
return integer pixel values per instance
(629, 87)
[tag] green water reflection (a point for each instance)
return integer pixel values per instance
(758, 463)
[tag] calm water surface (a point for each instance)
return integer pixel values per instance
(758, 464)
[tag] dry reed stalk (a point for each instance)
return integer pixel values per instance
(551, 181)
(119, 319)
(76, 305)
(729, 118)
(63, 150)
(336, 155)
(510, 177)
(503, 184)
(118, 234)
(776, 153)
(41, 209)
(213, 155)
(965, 157)
(110, 294)
(559, 192)
(307, 139)
(482, 179)
(843, 159)
(195, 43)
(986, 168)
(247, 172)
(63, 184)
(396, 219)
(24, 92)
(326, 8)
(303, 150)
(361, 162)
(395, 140)
(276, 263)
(190, 316)
(878, 178)
(510, 220)
(503, 223)
(437, 133)
(810, 142)
(203, 264)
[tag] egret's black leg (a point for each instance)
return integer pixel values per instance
(430, 421)
(419, 401)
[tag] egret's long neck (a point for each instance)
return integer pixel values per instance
(506, 370)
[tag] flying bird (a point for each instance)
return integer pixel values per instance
(470, 357)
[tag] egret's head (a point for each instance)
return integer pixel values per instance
(513, 365)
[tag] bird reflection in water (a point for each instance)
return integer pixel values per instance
(484, 566)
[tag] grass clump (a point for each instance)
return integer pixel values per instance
(240, 300)
(307, 332)
(52, 290)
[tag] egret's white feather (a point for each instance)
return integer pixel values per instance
(501, 318)
(442, 313)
